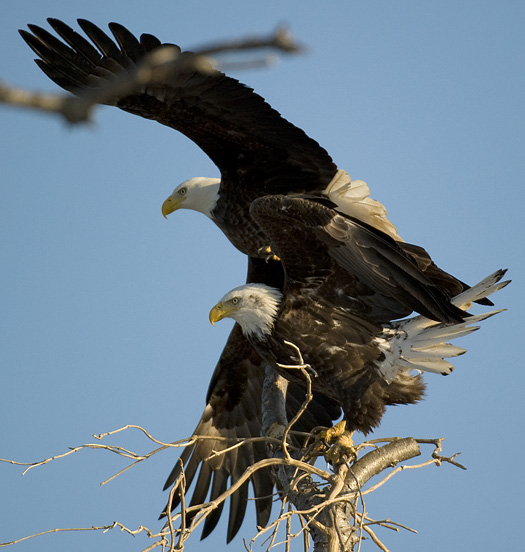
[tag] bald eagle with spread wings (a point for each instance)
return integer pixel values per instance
(256, 150)
(258, 154)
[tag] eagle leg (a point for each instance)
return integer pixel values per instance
(339, 443)
(268, 254)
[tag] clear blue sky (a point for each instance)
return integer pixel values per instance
(104, 303)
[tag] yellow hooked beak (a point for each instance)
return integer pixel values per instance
(218, 313)
(171, 204)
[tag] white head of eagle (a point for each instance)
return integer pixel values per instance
(253, 306)
(198, 194)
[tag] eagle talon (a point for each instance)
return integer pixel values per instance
(335, 444)
(268, 254)
(343, 450)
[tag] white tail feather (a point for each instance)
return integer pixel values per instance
(352, 197)
(441, 350)
(487, 286)
(419, 343)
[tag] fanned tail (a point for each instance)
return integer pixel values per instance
(419, 343)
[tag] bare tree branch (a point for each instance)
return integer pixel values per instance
(326, 506)
(281, 40)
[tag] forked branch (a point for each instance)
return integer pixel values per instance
(328, 504)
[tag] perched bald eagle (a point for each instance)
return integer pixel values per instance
(362, 360)
(258, 153)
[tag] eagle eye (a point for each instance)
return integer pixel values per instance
(235, 300)
(183, 191)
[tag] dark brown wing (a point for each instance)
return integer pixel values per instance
(233, 412)
(436, 275)
(255, 148)
(344, 257)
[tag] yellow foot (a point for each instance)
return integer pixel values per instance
(268, 254)
(335, 444)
